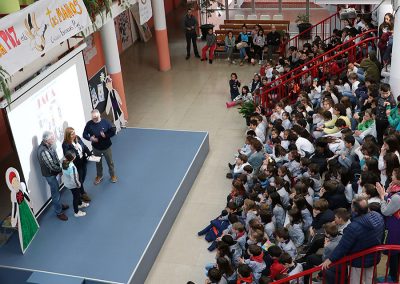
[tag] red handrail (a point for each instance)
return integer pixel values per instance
(294, 41)
(315, 59)
(280, 86)
(342, 263)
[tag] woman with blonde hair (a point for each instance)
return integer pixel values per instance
(74, 143)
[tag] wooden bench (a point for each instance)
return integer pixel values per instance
(251, 27)
(236, 27)
(260, 22)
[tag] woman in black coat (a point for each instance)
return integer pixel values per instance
(73, 142)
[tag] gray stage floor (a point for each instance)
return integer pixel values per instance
(126, 222)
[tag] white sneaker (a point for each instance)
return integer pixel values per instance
(233, 62)
(83, 205)
(80, 214)
(228, 59)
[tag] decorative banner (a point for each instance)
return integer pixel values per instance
(27, 34)
(22, 216)
(144, 30)
(145, 11)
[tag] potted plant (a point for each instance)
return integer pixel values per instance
(246, 110)
(98, 7)
(303, 23)
(206, 9)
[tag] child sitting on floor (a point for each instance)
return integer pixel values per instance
(245, 96)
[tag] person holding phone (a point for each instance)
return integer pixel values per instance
(99, 131)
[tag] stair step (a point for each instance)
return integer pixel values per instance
(47, 278)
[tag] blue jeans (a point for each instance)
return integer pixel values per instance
(242, 52)
(55, 193)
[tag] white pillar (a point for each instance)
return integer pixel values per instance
(110, 46)
(382, 10)
(395, 65)
(113, 64)
(227, 9)
(161, 34)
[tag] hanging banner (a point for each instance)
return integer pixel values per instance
(145, 11)
(31, 32)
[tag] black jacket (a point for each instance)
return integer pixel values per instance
(85, 151)
(273, 38)
(323, 218)
(336, 199)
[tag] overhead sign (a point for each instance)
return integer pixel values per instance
(27, 34)
(145, 11)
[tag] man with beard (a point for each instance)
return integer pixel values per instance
(50, 167)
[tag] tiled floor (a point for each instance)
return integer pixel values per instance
(191, 96)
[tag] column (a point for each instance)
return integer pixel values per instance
(227, 9)
(8, 7)
(395, 66)
(382, 10)
(161, 34)
(253, 6)
(113, 64)
(308, 9)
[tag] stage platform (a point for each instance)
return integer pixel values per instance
(126, 223)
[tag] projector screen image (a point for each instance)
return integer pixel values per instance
(53, 104)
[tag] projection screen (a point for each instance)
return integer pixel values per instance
(59, 100)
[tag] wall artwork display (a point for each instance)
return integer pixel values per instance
(97, 90)
(124, 30)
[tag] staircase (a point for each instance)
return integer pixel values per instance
(323, 29)
(341, 269)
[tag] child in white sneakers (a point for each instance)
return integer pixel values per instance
(71, 181)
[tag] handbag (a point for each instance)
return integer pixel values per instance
(241, 45)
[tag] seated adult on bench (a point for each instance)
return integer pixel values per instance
(243, 44)
(273, 41)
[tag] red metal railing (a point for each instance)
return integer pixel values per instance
(318, 58)
(319, 68)
(342, 268)
(323, 29)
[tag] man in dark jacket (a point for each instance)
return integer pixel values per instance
(99, 131)
(273, 41)
(365, 231)
(190, 25)
(50, 167)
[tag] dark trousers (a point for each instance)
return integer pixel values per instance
(381, 126)
(258, 50)
(82, 170)
(191, 37)
(311, 261)
(76, 198)
(394, 264)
